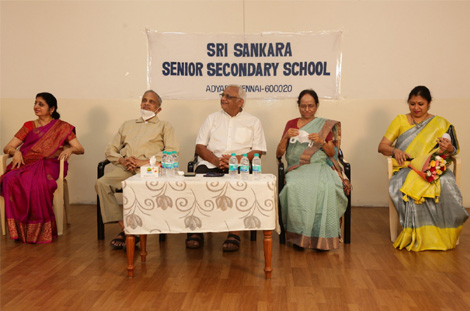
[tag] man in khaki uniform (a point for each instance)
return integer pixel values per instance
(134, 144)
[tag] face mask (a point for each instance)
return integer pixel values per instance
(146, 114)
(301, 138)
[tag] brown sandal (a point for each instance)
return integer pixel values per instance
(231, 245)
(195, 240)
(119, 241)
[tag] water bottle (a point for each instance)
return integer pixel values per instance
(256, 166)
(244, 167)
(176, 165)
(164, 159)
(169, 165)
(233, 165)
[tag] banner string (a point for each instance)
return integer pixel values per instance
(243, 16)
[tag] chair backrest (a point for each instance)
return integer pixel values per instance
(192, 164)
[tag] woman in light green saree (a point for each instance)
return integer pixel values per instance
(431, 214)
(312, 199)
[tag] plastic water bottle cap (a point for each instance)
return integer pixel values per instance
(244, 155)
(233, 154)
(256, 155)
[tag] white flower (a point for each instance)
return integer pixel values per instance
(438, 158)
(429, 173)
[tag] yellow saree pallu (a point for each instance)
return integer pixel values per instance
(416, 186)
(431, 214)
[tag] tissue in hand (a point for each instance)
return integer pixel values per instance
(301, 138)
(151, 170)
(447, 136)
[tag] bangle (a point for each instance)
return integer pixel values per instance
(454, 150)
(10, 149)
(324, 142)
(393, 152)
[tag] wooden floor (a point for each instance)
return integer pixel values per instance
(78, 272)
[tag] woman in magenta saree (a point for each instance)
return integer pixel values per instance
(30, 180)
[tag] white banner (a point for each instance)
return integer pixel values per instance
(267, 66)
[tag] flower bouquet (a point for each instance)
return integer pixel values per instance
(425, 183)
(437, 167)
(434, 166)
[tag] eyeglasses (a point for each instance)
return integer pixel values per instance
(305, 107)
(228, 97)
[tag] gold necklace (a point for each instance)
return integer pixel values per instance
(40, 123)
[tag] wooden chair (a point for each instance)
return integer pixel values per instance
(60, 202)
(99, 218)
(346, 219)
(191, 168)
(393, 215)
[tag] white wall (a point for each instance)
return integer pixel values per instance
(92, 56)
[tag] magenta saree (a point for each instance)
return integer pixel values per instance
(29, 190)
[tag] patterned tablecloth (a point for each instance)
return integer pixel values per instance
(199, 204)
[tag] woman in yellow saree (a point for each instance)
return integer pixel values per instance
(431, 213)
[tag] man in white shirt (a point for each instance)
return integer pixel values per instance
(231, 130)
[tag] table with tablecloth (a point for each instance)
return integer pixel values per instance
(198, 204)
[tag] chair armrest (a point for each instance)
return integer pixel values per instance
(3, 163)
(280, 174)
(457, 167)
(61, 171)
(389, 167)
(347, 214)
(280, 185)
(346, 165)
(192, 164)
(101, 167)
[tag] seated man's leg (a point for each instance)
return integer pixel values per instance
(106, 187)
(196, 240)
